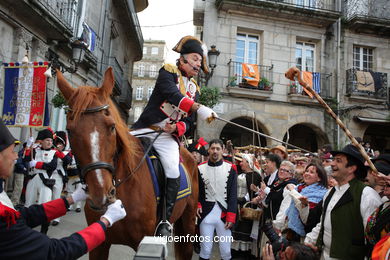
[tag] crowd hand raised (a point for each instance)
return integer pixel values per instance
(32, 163)
(79, 194)
(206, 113)
(30, 141)
(115, 212)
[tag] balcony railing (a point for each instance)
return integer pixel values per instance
(321, 84)
(367, 84)
(237, 79)
(367, 9)
(328, 5)
(65, 11)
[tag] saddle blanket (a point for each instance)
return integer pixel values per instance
(185, 184)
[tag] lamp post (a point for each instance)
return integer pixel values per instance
(78, 51)
(212, 57)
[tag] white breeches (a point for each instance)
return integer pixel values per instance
(210, 223)
(167, 149)
(37, 192)
(71, 187)
(57, 188)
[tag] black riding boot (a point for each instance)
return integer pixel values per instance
(172, 187)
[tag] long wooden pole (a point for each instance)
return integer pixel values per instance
(256, 132)
(293, 73)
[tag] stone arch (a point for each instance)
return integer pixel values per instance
(242, 137)
(307, 136)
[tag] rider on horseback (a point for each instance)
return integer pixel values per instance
(171, 109)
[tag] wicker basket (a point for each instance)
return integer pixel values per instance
(248, 213)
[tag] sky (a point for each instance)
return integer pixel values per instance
(177, 14)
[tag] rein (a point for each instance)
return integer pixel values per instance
(104, 165)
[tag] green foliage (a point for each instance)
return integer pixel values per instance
(209, 96)
(264, 81)
(59, 100)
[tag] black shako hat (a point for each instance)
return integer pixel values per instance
(60, 137)
(6, 138)
(199, 147)
(45, 133)
(190, 44)
(356, 158)
(382, 158)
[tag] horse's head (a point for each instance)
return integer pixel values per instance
(92, 129)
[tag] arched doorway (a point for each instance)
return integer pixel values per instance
(242, 137)
(306, 136)
(378, 135)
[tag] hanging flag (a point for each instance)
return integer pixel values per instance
(25, 95)
(89, 36)
(317, 82)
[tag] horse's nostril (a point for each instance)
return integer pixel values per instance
(112, 192)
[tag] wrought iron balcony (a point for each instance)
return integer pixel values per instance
(368, 16)
(367, 86)
(321, 85)
(319, 13)
(260, 87)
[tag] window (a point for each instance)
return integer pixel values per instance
(150, 90)
(304, 56)
(362, 58)
(154, 50)
(305, 3)
(137, 113)
(139, 93)
(152, 71)
(141, 70)
(247, 48)
(144, 50)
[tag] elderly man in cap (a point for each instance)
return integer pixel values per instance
(170, 112)
(346, 208)
(17, 238)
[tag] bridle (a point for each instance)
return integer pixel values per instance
(99, 164)
(104, 165)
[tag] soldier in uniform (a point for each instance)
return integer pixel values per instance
(74, 182)
(171, 109)
(59, 174)
(17, 238)
(42, 161)
(217, 205)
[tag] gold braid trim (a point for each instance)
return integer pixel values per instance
(174, 69)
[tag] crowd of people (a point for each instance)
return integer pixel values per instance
(328, 205)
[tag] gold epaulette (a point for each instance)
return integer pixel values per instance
(171, 68)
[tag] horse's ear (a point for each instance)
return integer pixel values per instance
(108, 82)
(65, 88)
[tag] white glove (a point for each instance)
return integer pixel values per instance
(32, 163)
(205, 112)
(115, 212)
(79, 194)
(30, 141)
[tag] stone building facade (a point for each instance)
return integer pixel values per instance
(46, 29)
(329, 39)
(145, 75)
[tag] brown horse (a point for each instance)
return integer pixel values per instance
(108, 157)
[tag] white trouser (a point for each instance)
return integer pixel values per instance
(37, 192)
(57, 188)
(18, 187)
(71, 187)
(167, 149)
(210, 223)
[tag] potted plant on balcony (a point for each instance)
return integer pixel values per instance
(293, 87)
(264, 84)
(232, 81)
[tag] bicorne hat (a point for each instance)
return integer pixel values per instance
(190, 44)
(6, 138)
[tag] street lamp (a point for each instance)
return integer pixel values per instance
(78, 51)
(212, 57)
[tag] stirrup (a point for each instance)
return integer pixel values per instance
(162, 222)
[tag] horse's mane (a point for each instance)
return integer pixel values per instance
(83, 97)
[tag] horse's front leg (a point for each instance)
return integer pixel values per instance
(101, 252)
